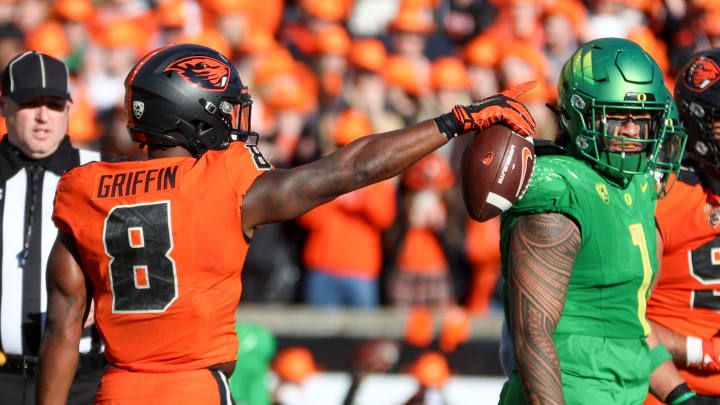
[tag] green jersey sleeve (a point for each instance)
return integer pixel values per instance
(550, 190)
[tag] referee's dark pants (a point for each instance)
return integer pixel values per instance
(19, 374)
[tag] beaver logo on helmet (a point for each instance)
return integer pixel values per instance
(702, 74)
(202, 71)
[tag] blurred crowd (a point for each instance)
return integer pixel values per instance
(324, 72)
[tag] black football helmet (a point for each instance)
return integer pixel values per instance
(697, 94)
(186, 95)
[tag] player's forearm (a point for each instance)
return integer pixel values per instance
(664, 376)
(539, 368)
(673, 341)
(66, 310)
(542, 253)
(58, 362)
(374, 158)
(286, 194)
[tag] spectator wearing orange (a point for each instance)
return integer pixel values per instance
(176, 18)
(517, 20)
(367, 87)
(521, 62)
(121, 43)
(481, 56)
(408, 91)
(231, 19)
(482, 246)
(74, 15)
(30, 14)
(450, 82)
(315, 16)
(343, 251)
(292, 366)
(333, 46)
(564, 25)
(431, 370)
(409, 32)
(419, 274)
(49, 38)
(289, 91)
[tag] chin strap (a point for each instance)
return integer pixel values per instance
(194, 145)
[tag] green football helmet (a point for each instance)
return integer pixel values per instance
(606, 79)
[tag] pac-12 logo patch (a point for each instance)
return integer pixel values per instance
(138, 108)
(603, 192)
(702, 74)
(202, 71)
(714, 217)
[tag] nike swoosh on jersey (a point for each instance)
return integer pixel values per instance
(526, 155)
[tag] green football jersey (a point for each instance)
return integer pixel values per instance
(614, 268)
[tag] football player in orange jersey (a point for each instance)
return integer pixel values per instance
(158, 245)
(684, 308)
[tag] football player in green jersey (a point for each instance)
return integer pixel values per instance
(579, 250)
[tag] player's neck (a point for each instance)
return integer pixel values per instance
(172, 151)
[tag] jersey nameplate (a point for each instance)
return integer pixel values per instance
(131, 183)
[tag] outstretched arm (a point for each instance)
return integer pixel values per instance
(542, 253)
(66, 309)
(280, 195)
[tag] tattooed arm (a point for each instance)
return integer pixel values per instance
(66, 309)
(542, 252)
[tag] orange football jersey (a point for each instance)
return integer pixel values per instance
(687, 295)
(162, 243)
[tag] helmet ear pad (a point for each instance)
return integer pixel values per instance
(173, 96)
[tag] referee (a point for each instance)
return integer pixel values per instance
(33, 155)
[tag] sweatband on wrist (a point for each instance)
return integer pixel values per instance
(680, 394)
(693, 351)
(658, 355)
(448, 124)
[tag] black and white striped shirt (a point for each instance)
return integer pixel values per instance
(27, 190)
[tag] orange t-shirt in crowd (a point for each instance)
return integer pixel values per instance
(482, 246)
(685, 298)
(421, 253)
(345, 234)
(162, 243)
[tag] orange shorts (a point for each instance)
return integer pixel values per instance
(707, 384)
(198, 387)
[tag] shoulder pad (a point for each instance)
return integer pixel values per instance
(545, 147)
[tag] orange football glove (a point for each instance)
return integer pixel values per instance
(498, 108)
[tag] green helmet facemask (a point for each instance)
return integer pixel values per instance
(607, 83)
(667, 165)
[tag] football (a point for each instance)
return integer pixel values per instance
(495, 168)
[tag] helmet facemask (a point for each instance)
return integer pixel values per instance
(706, 144)
(234, 113)
(603, 136)
(669, 156)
